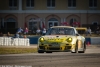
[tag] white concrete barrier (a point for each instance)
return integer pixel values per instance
(8, 41)
(1, 41)
(21, 42)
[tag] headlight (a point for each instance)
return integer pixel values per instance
(41, 39)
(69, 39)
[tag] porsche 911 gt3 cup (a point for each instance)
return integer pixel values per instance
(61, 39)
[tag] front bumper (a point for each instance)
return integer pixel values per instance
(61, 48)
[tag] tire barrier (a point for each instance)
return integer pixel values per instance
(8, 41)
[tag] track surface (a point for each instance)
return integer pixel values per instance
(56, 59)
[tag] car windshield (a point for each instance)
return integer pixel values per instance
(60, 31)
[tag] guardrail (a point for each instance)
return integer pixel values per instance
(8, 41)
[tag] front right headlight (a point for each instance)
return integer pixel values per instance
(69, 39)
(41, 39)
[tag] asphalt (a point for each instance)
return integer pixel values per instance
(35, 46)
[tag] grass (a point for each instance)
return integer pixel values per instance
(14, 50)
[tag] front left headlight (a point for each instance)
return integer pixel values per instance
(41, 39)
(69, 39)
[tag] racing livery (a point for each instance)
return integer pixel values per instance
(61, 39)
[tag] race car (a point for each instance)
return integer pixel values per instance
(61, 39)
(81, 30)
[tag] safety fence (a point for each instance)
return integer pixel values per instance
(8, 41)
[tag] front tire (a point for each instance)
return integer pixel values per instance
(84, 49)
(40, 51)
(76, 49)
(48, 52)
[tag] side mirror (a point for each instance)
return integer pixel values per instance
(77, 34)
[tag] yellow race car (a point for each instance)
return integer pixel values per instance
(61, 39)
